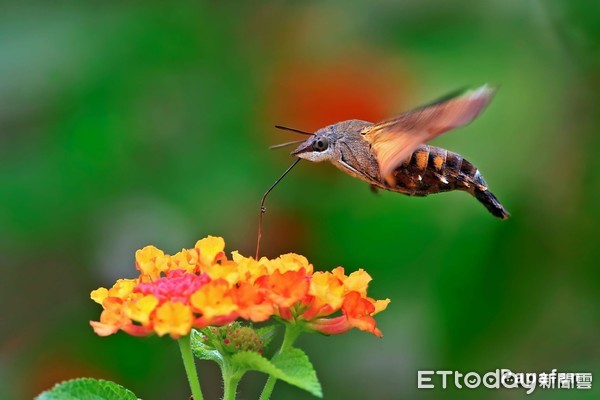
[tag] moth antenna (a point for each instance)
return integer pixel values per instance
(285, 128)
(278, 146)
(262, 204)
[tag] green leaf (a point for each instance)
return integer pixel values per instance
(87, 389)
(291, 366)
(266, 334)
(295, 363)
(202, 351)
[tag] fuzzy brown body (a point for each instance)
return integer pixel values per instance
(428, 170)
(432, 170)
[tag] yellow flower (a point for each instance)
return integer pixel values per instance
(141, 309)
(227, 270)
(214, 299)
(99, 295)
(112, 318)
(211, 250)
(173, 318)
(199, 287)
(287, 262)
(380, 305)
(357, 281)
(327, 292)
(122, 289)
(151, 262)
(248, 268)
(186, 259)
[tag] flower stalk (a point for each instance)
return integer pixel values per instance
(292, 331)
(230, 382)
(190, 366)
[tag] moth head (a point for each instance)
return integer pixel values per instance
(318, 147)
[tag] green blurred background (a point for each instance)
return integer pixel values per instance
(123, 125)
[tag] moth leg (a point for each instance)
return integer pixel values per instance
(374, 188)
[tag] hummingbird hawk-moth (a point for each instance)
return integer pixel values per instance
(393, 154)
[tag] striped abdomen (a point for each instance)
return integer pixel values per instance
(432, 170)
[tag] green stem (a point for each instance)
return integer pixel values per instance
(190, 367)
(230, 381)
(291, 334)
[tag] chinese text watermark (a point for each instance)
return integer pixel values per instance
(505, 378)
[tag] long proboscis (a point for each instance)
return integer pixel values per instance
(285, 128)
(262, 204)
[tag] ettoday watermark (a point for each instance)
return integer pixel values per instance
(505, 378)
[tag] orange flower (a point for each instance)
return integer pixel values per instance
(114, 318)
(335, 289)
(140, 308)
(358, 311)
(284, 289)
(327, 293)
(253, 304)
(199, 287)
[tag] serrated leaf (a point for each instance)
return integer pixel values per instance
(266, 334)
(87, 389)
(291, 366)
(295, 363)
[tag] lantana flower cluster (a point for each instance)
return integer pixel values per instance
(201, 287)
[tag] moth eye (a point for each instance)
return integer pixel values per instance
(320, 144)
